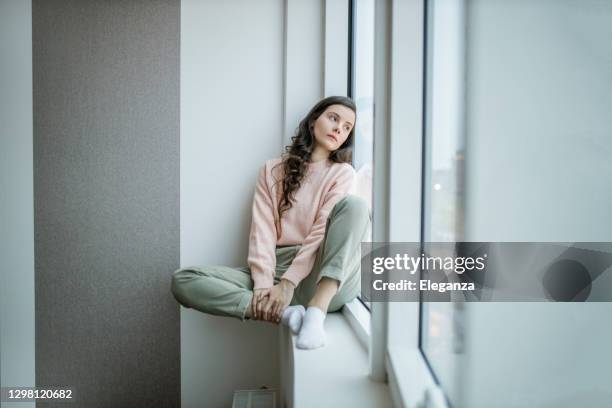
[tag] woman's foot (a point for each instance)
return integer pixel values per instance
(312, 333)
(292, 317)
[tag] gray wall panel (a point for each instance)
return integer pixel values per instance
(106, 198)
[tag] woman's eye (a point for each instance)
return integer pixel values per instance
(332, 117)
(347, 128)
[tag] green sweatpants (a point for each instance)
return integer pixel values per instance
(226, 291)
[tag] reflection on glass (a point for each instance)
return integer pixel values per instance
(362, 88)
(444, 175)
(363, 91)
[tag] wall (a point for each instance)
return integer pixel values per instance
(16, 205)
(231, 122)
(93, 181)
(106, 208)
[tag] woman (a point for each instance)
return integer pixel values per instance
(305, 235)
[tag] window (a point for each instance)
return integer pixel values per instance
(361, 89)
(443, 177)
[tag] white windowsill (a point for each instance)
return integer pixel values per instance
(359, 318)
(421, 390)
(337, 375)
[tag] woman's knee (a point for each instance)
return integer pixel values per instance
(175, 285)
(354, 206)
(180, 278)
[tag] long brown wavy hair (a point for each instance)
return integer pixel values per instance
(297, 154)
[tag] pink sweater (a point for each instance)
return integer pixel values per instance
(324, 184)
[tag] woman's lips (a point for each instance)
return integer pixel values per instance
(333, 137)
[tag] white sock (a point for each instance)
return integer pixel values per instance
(312, 333)
(292, 317)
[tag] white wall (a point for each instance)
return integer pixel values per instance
(17, 202)
(249, 71)
(539, 146)
(303, 60)
(232, 120)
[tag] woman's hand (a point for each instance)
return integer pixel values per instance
(279, 297)
(258, 295)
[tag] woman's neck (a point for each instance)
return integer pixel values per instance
(319, 154)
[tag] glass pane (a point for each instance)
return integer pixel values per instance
(363, 92)
(531, 118)
(362, 88)
(444, 174)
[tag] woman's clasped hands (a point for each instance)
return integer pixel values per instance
(269, 303)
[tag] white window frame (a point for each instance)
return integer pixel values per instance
(398, 175)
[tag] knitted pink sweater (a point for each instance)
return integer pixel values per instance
(324, 184)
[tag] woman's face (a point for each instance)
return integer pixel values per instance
(333, 126)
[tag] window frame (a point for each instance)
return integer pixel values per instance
(351, 85)
(392, 334)
(400, 78)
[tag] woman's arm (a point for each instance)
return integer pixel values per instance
(262, 238)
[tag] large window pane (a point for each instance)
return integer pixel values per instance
(531, 120)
